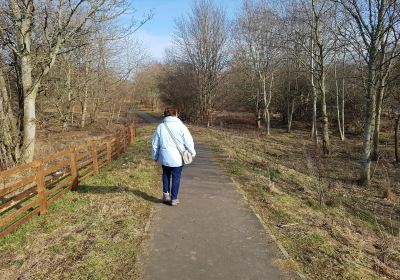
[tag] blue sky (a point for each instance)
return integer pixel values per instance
(156, 34)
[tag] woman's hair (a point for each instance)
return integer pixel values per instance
(170, 112)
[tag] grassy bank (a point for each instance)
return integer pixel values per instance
(331, 227)
(96, 232)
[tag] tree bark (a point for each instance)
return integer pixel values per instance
(369, 126)
(341, 132)
(69, 95)
(314, 130)
(84, 106)
(325, 121)
(29, 90)
(86, 91)
(265, 109)
(290, 116)
(378, 112)
(9, 132)
(320, 74)
(268, 103)
(258, 110)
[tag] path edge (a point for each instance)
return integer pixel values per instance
(265, 226)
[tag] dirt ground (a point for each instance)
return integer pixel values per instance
(52, 137)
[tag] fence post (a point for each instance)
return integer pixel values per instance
(108, 151)
(41, 188)
(95, 159)
(74, 170)
(133, 133)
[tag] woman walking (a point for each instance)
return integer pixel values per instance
(170, 138)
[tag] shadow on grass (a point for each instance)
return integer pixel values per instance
(116, 189)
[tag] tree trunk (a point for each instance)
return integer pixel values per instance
(29, 108)
(314, 130)
(290, 116)
(84, 107)
(86, 91)
(111, 118)
(378, 112)
(29, 91)
(69, 95)
(369, 126)
(337, 105)
(343, 136)
(9, 132)
(268, 102)
(325, 121)
(119, 112)
(265, 109)
(95, 108)
(258, 110)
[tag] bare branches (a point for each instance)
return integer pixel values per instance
(200, 40)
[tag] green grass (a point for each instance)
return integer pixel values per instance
(337, 228)
(95, 232)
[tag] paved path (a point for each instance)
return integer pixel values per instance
(211, 234)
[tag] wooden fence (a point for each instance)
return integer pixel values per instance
(28, 189)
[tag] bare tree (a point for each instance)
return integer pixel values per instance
(36, 32)
(258, 30)
(317, 39)
(321, 17)
(200, 39)
(374, 34)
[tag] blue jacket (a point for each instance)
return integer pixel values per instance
(164, 148)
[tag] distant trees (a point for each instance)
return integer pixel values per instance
(146, 87)
(201, 40)
(178, 88)
(327, 63)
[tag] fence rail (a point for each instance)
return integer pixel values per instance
(28, 189)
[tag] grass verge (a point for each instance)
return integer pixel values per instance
(331, 228)
(96, 232)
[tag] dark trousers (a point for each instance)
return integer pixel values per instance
(173, 173)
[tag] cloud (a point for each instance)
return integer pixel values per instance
(155, 45)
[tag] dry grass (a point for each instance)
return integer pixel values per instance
(337, 230)
(96, 232)
(52, 137)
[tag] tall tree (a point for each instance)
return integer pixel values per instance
(321, 42)
(257, 37)
(201, 40)
(374, 34)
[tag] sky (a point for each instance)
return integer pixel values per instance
(156, 35)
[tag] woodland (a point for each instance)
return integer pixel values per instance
(331, 67)
(301, 98)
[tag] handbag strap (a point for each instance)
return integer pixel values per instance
(174, 139)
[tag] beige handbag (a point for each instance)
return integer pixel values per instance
(186, 155)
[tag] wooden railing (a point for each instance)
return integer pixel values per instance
(28, 189)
